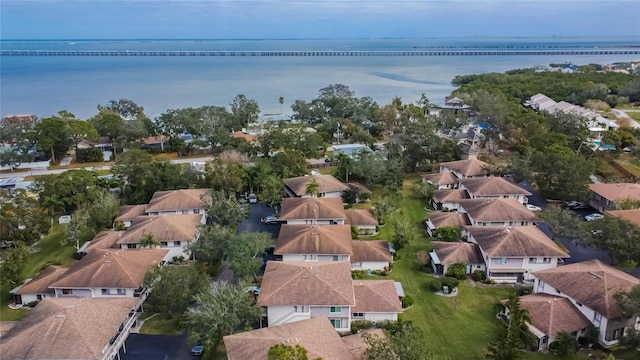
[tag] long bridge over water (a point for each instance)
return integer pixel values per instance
(525, 52)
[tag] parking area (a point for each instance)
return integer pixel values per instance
(253, 223)
(157, 347)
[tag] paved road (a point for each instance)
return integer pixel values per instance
(253, 223)
(157, 347)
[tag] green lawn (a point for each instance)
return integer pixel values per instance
(160, 324)
(50, 252)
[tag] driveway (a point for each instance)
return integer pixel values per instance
(157, 347)
(253, 223)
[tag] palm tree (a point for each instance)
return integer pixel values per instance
(312, 187)
(148, 241)
(565, 345)
(281, 101)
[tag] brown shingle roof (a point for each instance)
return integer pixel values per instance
(312, 208)
(471, 167)
(130, 212)
(446, 219)
(376, 296)
(617, 192)
(453, 252)
(356, 345)
(497, 210)
(248, 137)
(106, 239)
(111, 269)
(40, 284)
(446, 195)
(592, 283)
(66, 328)
(298, 185)
(361, 217)
(445, 178)
(317, 335)
(307, 283)
(492, 186)
(632, 216)
(553, 314)
(515, 241)
(314, 239)
(174, 200)
(163, 228)
(372, 250)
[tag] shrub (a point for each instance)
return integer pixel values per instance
(362, 197)
(383, 324)
(488, 281)
(362, 324)
(524, 291)
(450, 282)
(89, 155)
(354, 329)
(354, 232)
(376, 272)
(457, 270)
(435, 285)
(479, 275)
(32, 304)
(358, 274)
(407, 301)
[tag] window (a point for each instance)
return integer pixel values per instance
(310, 257)
(196, 211)
(336, 258)
(579, 304)
(335, 309)
(523, 223)
(39, 297)
(67, 291)
(132, 246)
(337, 323)
(505, 196)
(122, 292)
(597, 317)
(176, 243)
(501, 261)
(153, 213)
(546, 260)
(164, 243)
(613, 334)
(357, 315)
(106, 292)
(540, 286)
(533, 260)
(185, 212)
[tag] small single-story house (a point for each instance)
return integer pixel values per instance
(103, 143)
(155, 142)
(371, 255)
(551, 315)
(246, 135)
(493, 187)
(442, 180)
(445, 254)
(37, 288)
(313, 211)
(72, 328)
(314, 243)
(448, 199)
(300, 290)
(512, 254)
(605, 197)
(590, 286)
(438, 219)
(376, 300)
(496, 212)
(329, 186)
(109, 273)
(467, 168)
(362, 219)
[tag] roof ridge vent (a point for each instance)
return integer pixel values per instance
(596, 275)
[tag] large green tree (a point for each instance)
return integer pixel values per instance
(225, 208)
(18, 135)
(507, 342)
(78, 230)
(54, 135)
(212, 243)
(245, 111)
(288, 352)
(80, 129)
(21, 218)
(403, 341)
(563, 223)
(619, 237)
(68, 190)
(628, 302)
(14, 261)
(172, 288)
(227, 176)
(245, 253)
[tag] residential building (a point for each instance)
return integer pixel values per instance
(438, 219)
(329, 186)
(108, 273)
(604, 197)
(371, 255)
(177, 202)
(173, 233)
(448, 199)
(591, 286)
(512, 254)
(467, 168)
(496, 212)
(107, 239)
(442, 180)
(376, 300)
(632, 216)
(316, 335)
(294, 291)
(37, 288)
(550, 315)
(445, 254)
(313, 211)
(364, 220)
(76, 328)
(492, 188)
(128, 213)
(314, 243)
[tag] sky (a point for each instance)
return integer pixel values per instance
(311, 19)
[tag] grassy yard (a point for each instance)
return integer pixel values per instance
(49, 251)
(160, 324)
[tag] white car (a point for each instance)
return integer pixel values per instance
(253, 199)
(593, 217)
(533, 207)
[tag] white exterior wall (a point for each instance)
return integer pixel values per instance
(97, 293)
(27, 298)
(369, 265)
(451, 205)
(313, 257)
(201, 211)
(74, 292)
(174, 250)
(539, 265)
(327, 194)
(315, 222)
(366, 229)
(278, 315)
(381, 316)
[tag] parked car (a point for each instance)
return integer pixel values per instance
(197, 350)
(593, 217)
(272, 219)
(533, 208)
(574, 204)
(253, 199)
